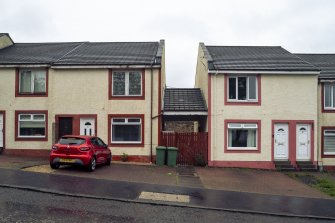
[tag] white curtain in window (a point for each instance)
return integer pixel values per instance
(39, 81)
(251, 141)
(25, 81)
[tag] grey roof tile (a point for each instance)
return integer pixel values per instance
(184, 99)
(256, 58)
(325, 62)
(81, 53)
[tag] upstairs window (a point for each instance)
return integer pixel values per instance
(329, 97)
(127, 83)
(32, 82)
(242, 89)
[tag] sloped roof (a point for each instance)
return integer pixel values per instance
(184, 99)
(255, 58)
(325, 62)
(82, 53)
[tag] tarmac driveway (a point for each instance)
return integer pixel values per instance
(256, 181)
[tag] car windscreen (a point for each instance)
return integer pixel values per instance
(71, 141)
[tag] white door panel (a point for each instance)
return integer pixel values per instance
(303, 142)
(1, 130)
(87, 126)
(281, 141)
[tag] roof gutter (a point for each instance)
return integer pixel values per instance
(103, 66)
(261, 71)
(24, 66)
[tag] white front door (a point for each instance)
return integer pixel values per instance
(87, 126)
(281, 141)
(1, 130)
(303, 142)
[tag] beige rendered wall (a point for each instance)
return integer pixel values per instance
(5, 41)
(325, 119)
(284, 97)
(201, 76)
(79, 92)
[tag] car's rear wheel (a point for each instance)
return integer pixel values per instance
(92, 165)
(54, 165)
(109, 160)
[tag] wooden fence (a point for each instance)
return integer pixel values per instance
(192, 147)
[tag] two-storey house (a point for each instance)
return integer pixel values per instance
(109, 89)
(262, 106)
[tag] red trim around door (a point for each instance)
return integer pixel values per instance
(4, 127)
(292, 135)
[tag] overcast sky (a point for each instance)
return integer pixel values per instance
(297, 25)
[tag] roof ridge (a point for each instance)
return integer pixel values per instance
(242, 46)
(70, 51)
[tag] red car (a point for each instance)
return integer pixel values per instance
(87, 151)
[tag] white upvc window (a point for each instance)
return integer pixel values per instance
(242, 136)
(329, 96)
(31, 126)
(32, 82)
(329, 142)
(127, 83)
(242, 89)
(126, 130)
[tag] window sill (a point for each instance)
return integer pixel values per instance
(31, 95)
(31, 139)
(140, 144)
(244, 150)
(126, 97)
(233, 102)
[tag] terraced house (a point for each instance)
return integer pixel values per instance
(109, 89)
(264, 108)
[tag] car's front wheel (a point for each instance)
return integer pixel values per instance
(54, 165)
(109, 160)
(92, 165)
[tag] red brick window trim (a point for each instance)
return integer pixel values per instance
(127, 84)
(242, 136)
(125, 127)
(32, 82)
(327, 138)
(236, 94)
(31, 125)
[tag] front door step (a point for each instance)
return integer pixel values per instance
(284, 165)
(306, 166)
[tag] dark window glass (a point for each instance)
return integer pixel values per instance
(242, 88)
(119, 83)
(232, 88)
(126, 133)
(71, 141)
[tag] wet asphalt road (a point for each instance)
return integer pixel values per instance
(198, 196)
(26, 206)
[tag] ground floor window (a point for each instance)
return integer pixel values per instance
(329, 142)
(242, 136)
(31, 125)
(126, 130)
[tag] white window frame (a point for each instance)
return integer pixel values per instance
(332, 107)
(31, 119)
(236, 89)
(126, 73)
(126, 122)
(328, 132)
(244, 126)
(32, 82)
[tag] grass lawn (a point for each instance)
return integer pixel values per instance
(321, 181)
